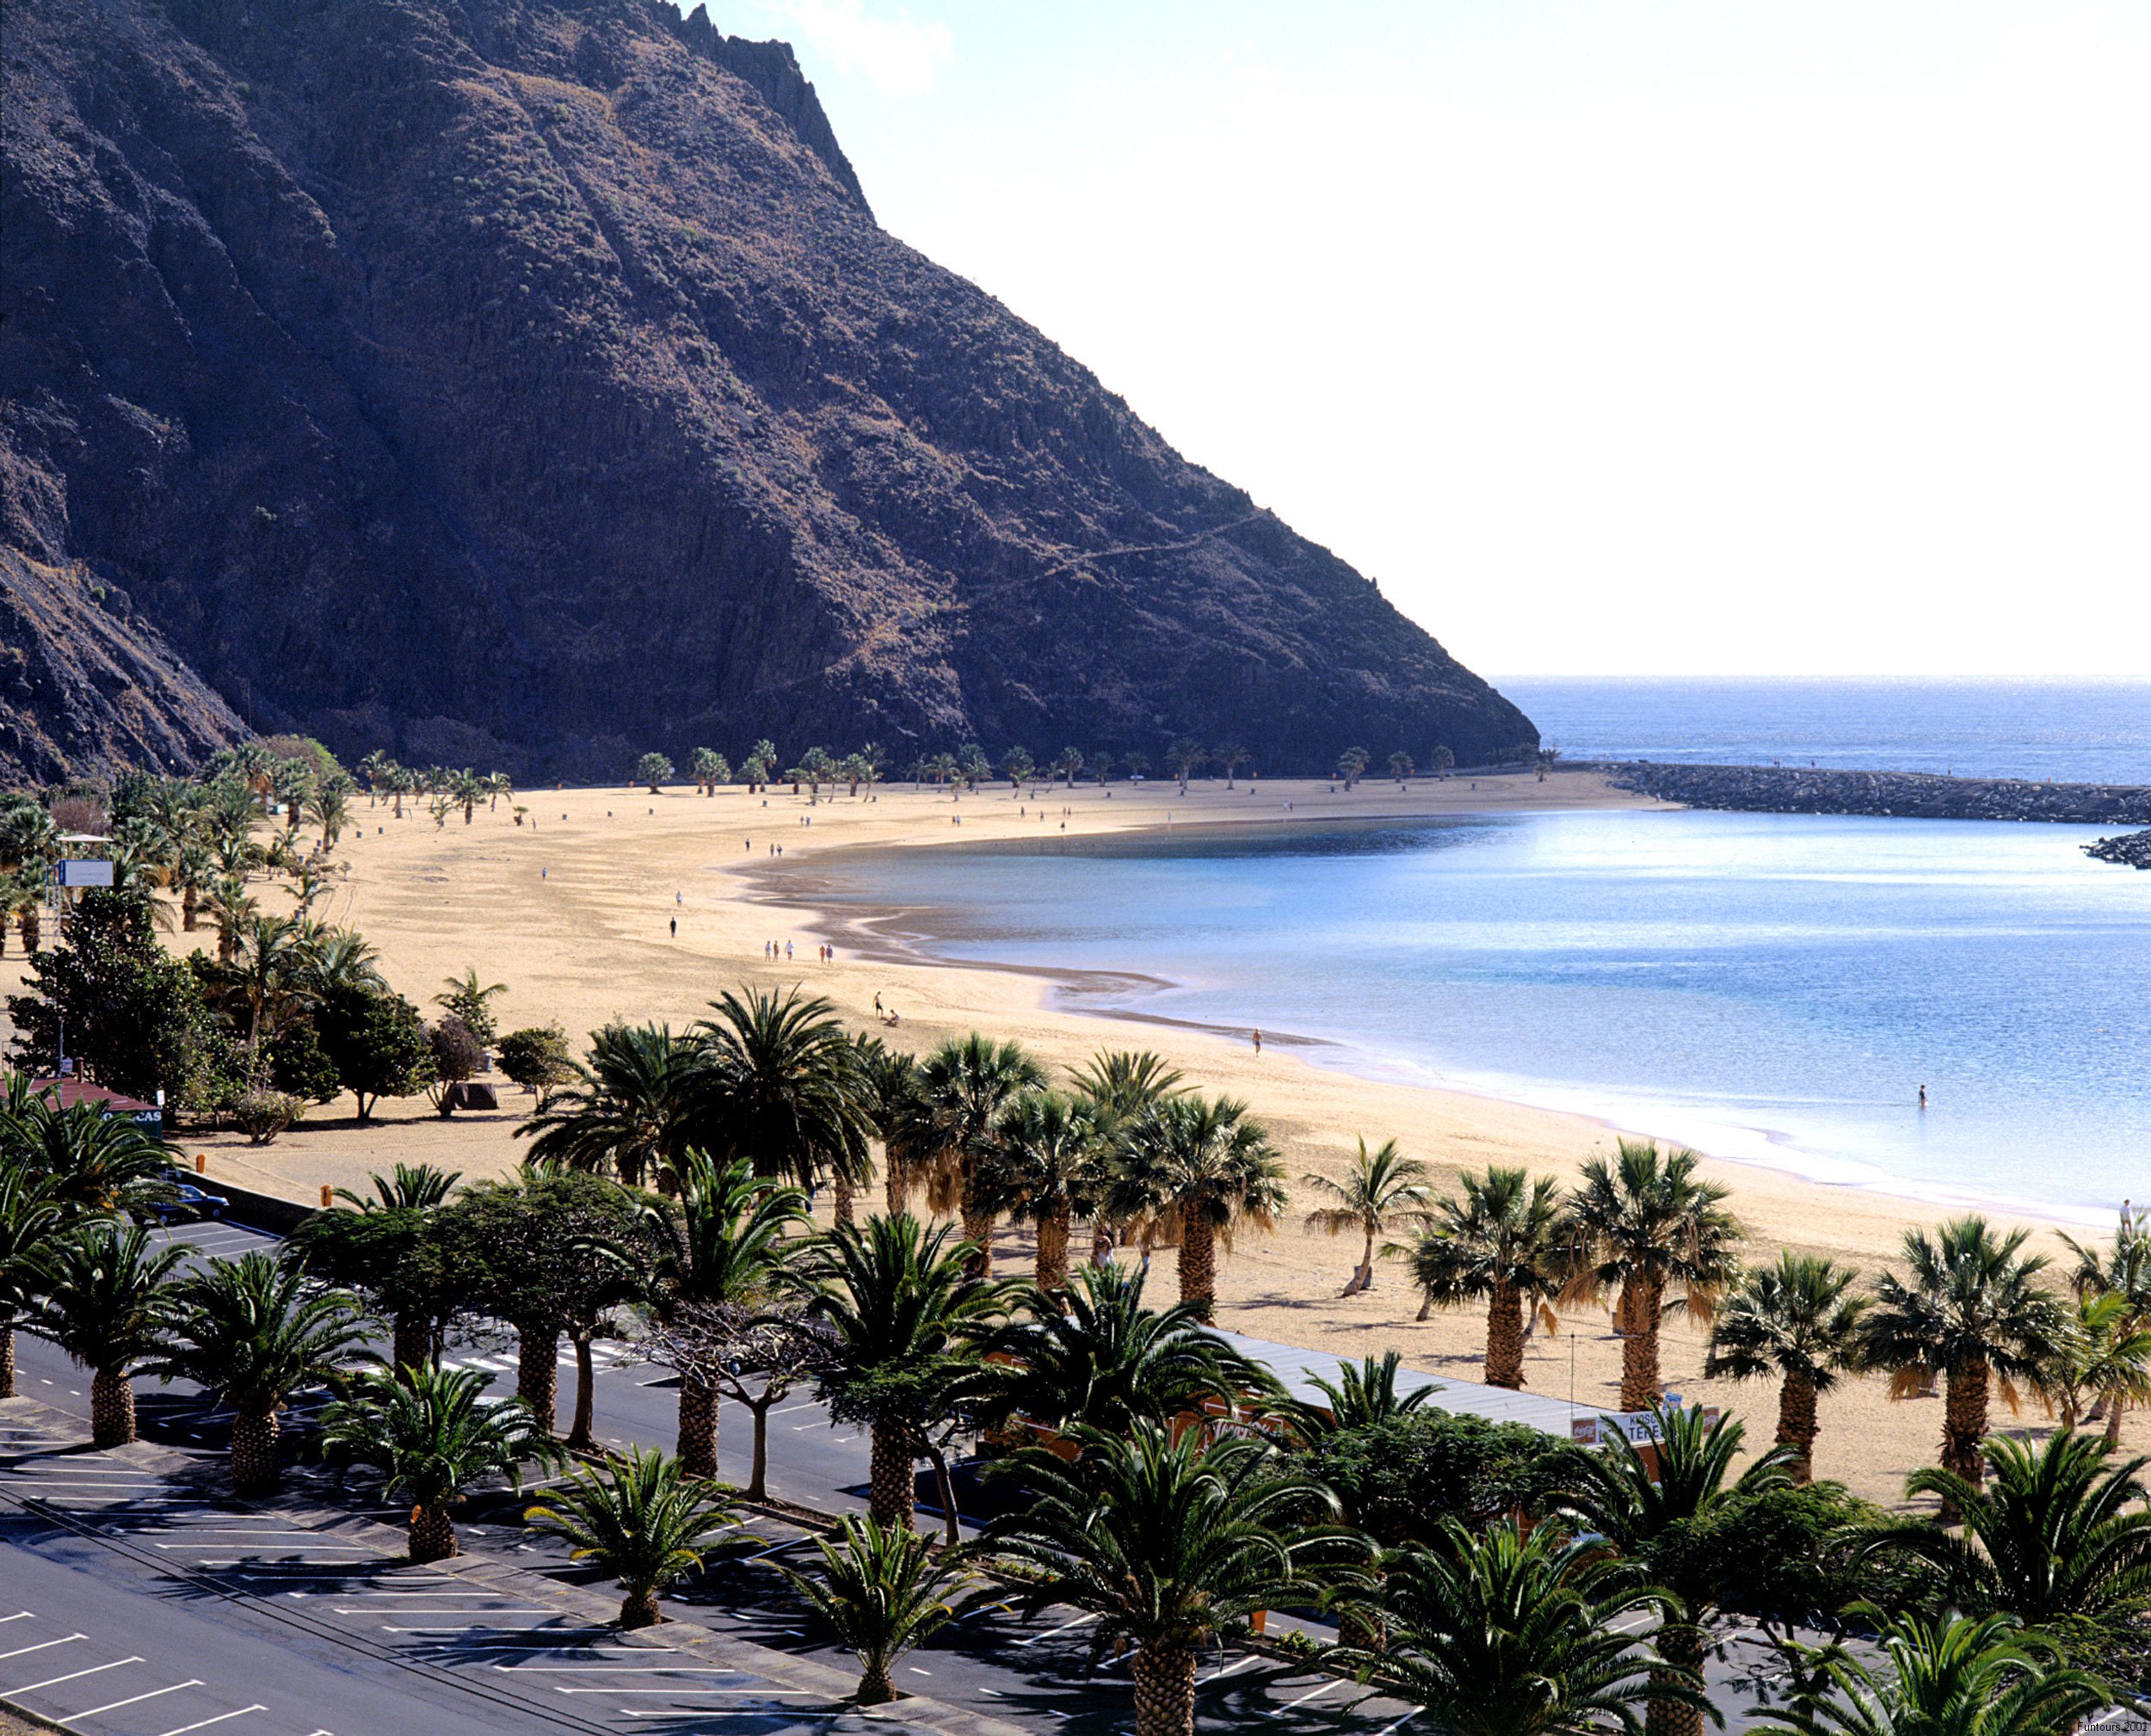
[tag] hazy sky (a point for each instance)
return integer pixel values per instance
(1612, 337)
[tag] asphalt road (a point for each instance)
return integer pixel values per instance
(225, 1654)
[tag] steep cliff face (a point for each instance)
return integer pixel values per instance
(527, 382)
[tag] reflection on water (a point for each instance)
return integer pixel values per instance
(1775, 987)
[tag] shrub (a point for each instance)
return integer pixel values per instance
(262, 1115)
(300, 1066)
(1400, 1479)
(456, 1054)
(536, 1057)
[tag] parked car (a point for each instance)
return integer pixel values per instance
(189, 1203)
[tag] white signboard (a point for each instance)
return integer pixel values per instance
(74, 873)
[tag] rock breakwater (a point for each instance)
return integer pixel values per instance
(1913, 795)
(2131, 850)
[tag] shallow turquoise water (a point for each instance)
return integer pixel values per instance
(1775, 987)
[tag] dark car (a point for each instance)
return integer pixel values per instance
(189, 1203)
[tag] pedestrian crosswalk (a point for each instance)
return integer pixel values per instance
(603, 1356)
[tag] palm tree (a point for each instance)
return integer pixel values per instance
(889, 1082)
(781, 1087)
(1165, 1542)
(967, 1086)
(411, 1187)
(908, 1318)
(2105, 1358)
(720, 1245)
(1502, 1242)
(1381, 1186)
(1646, 1508)
(634, 1109)
(647, 1521)
(1091, 1355)
(1951, 1675)
(884, 1590)
(32, 1219)
(1641, 1226)
(232, 907)
(1500, 1633)
(1794, 1320)
(94, 1162)
(1969, 1309)
(1361, 1397)
(1118, 1087)
(433, 1432)
(1205, 1170)
(2059, 1532)
(253, 1332)
(105, 1304)
(1044, 1159)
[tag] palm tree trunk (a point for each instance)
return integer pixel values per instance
(7, 1362)
(1681, 1645)
(1164, 1691)
(255, 1465)
(1199, 1268)
(538, 1374)
(1796, 1425)
(979, 1229)
(875, 1687)
(888, 1496)
(189, 902)
(1639, 1350)
(1051, 1268)
(2115, 1404)
(1964, 1419)
(893, 1187)
(433, 1535)
(111, 1409)
(639, 1609)
(698, 1427)
(842, 1189)
(758, 1471)
(1505, 1337)
(581, 1433)
(945, 1485)
(1365, 1274)
(411, 1340)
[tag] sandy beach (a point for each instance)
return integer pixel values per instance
(570, 910)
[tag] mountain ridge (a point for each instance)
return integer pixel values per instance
(521, 382)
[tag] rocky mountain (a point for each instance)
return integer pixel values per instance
(527, 383)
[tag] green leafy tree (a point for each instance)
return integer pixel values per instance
(653, 769)
(377, 1043)
(1381, 1188)
(1640, 1226)
(432, 1433)
(643, 1519)
(392, 1255)
(1968, 1309)
(883, 1590)
(1166, 1543)
(1797, 1321)
(536, 1057)
(105, 1303)
(906, 1320)
(1401, 1478)
(1499, 1241)
(1496, 1633)
(253, 1331)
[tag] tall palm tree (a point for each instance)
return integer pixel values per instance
(432, 1433)
(634, 1109)
(908, 1319)
(105, 1303)
(720, 1245)
(967, 1086)
(2103, 1360)
(1201, 1169)
(32, 1219)
(408, 1187)
(1118, 1087)
(253, 1332)
(1044, 1159)
(1969, 1309)
(883, 1590)
(1795, 1320)
(1381, 1188)
(1092, 1354)
(782, 1088)
(1950, 1675)
(889, 1084)
(1165, 1542)
(1497, 1633)
(1500, 1241)
(2058, 1531)
(645, 1519)
(1641, 1226)
(1646, 1508)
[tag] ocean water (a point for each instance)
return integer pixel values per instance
(1774, 988)
(2092, 732)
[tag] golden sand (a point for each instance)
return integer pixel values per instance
(570, 910)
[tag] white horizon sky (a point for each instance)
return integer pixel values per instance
(1650, 338)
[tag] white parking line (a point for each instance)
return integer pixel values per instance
(221, 1718)
(19, 1615)
(54, 1681)
(697, 1693)
(1313, 1693)
(22, 1650)
(423, 1610)
(1225, 1670)
(1396, 1724)
(1051, 1632)
(154, 1694)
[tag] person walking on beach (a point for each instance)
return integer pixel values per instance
(676, 929)
(1258, 1042)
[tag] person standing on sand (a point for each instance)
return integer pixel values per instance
(676, 929)
(1258, 1042)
